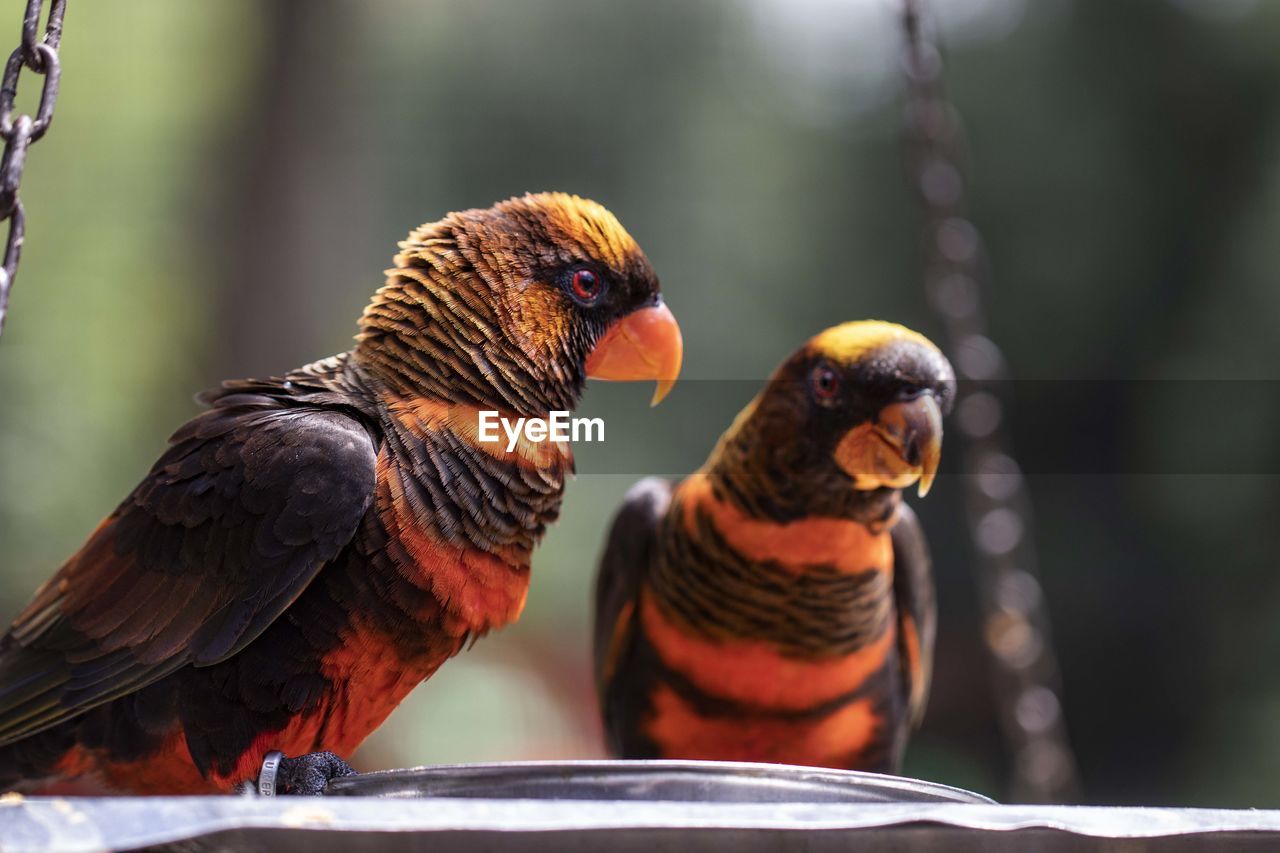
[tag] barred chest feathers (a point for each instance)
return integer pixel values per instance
(465, 515)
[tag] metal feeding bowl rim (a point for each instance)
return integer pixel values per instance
(874, 787)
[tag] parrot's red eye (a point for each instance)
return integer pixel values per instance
(586, 286)
(825, 383)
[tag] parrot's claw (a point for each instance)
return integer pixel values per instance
(309, 775)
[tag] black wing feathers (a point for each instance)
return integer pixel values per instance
(916, 602)
(232, 523)
(627, 555)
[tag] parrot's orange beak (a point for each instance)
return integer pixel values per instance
(645, 344)
(903, 445)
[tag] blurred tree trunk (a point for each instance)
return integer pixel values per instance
(296, 183)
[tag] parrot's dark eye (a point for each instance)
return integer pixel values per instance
(585, 286)
(824, 382)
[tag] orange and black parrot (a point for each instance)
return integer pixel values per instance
(313, 546)
(777, 605)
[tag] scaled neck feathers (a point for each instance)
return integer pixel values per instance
(440, 328)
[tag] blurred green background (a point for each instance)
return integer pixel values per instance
(224, 182)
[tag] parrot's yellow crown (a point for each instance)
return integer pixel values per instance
(849, 342)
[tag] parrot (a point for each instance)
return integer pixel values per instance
(777, 604)
(313, 546)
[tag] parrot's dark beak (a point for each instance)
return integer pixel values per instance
(645, 344)
(901, 446)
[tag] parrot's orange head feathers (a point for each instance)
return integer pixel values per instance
(854, 412)
(520, 302)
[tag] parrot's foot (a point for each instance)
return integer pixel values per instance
(309, 775)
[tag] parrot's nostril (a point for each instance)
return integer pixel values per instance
(911, 453)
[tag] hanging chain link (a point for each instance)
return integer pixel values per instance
(1015, 620)
(39, 54)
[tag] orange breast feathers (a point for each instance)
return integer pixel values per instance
(754, 672)
(369, 680)
(419, 414)
(837, 739)
(480, 590)
(845, 544)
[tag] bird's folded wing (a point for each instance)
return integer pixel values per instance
(917, 610)
(232, 523)
(627, 554)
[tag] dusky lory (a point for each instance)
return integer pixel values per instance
(314, 546)
(777, 605)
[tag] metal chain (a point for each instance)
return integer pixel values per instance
(40, 55)
(1014, 617)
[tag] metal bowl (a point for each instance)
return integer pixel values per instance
(653, 781)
